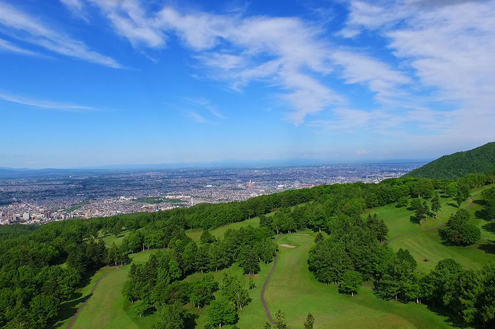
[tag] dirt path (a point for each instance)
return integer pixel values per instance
(267, 310)
(428, 229)
(74, 318)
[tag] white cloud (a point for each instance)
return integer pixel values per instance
(450, 46)
(42, 104)
(204, 104)
(8, 46)
(76, 7)
(196, 117)
(379, 77)
(27, 28)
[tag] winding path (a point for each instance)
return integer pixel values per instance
(74, 318)
(267, 310)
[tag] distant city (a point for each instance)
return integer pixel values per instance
(37, 197)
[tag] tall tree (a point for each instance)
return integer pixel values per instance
(221, 312)
(435, 205)
(233, 289)
(351, 282)
(171, 317)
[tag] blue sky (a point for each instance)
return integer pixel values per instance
(100, 82)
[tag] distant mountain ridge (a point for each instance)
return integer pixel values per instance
(478, 160)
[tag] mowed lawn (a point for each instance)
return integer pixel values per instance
(69, 308)
(429, 245)
(398, 220)
(219, 232)
(294, 290)
(107, 308)
(111, 238)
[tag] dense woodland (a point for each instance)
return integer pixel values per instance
(480, 160)
(42, 266)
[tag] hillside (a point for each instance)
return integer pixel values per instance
(478, 160)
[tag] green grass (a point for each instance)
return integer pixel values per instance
(111, 238)
(295, 291)
(195, 234)
(69, 308)
(429, 245)
(398, 220)
(107, 308)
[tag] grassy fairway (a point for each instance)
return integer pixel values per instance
(429, 245)
(220, 232)
(69, 308)
(111, 238)
(398, 220)
(107, 308)
(294, 290)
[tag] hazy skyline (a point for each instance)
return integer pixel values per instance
(97, 82)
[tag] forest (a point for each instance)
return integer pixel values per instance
(480, 160)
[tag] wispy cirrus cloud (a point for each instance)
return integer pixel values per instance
(278, 51)
(449, 47)
(10, 47)
(76, 7)
(29, 29)
(204, 104)
(196, 117)
(42, 104)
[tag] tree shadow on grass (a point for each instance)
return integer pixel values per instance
(490, 227)
(415, 220)
(452, 319)
(190, 320)
(452, 204)
(488, 247)
(68, 309)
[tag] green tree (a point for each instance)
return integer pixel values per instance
(351, 282)
(310, 320)
(416, 203)
(280, 320)
(171, 317)
(382, 231)
(174, 270)
(451, 189)
(458, 230)
(221, 312)
(43, 308)
(252, 285)
(435, 205)
(403, 202)
(319, 237)
(207, 237)
(233, 289)
(420, 214)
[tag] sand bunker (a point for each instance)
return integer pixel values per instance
(287, 246)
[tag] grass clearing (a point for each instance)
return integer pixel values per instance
(69, 308)
(295, 291)
(428, 245)
(107, 308)
(111, 238)
(219, 232)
